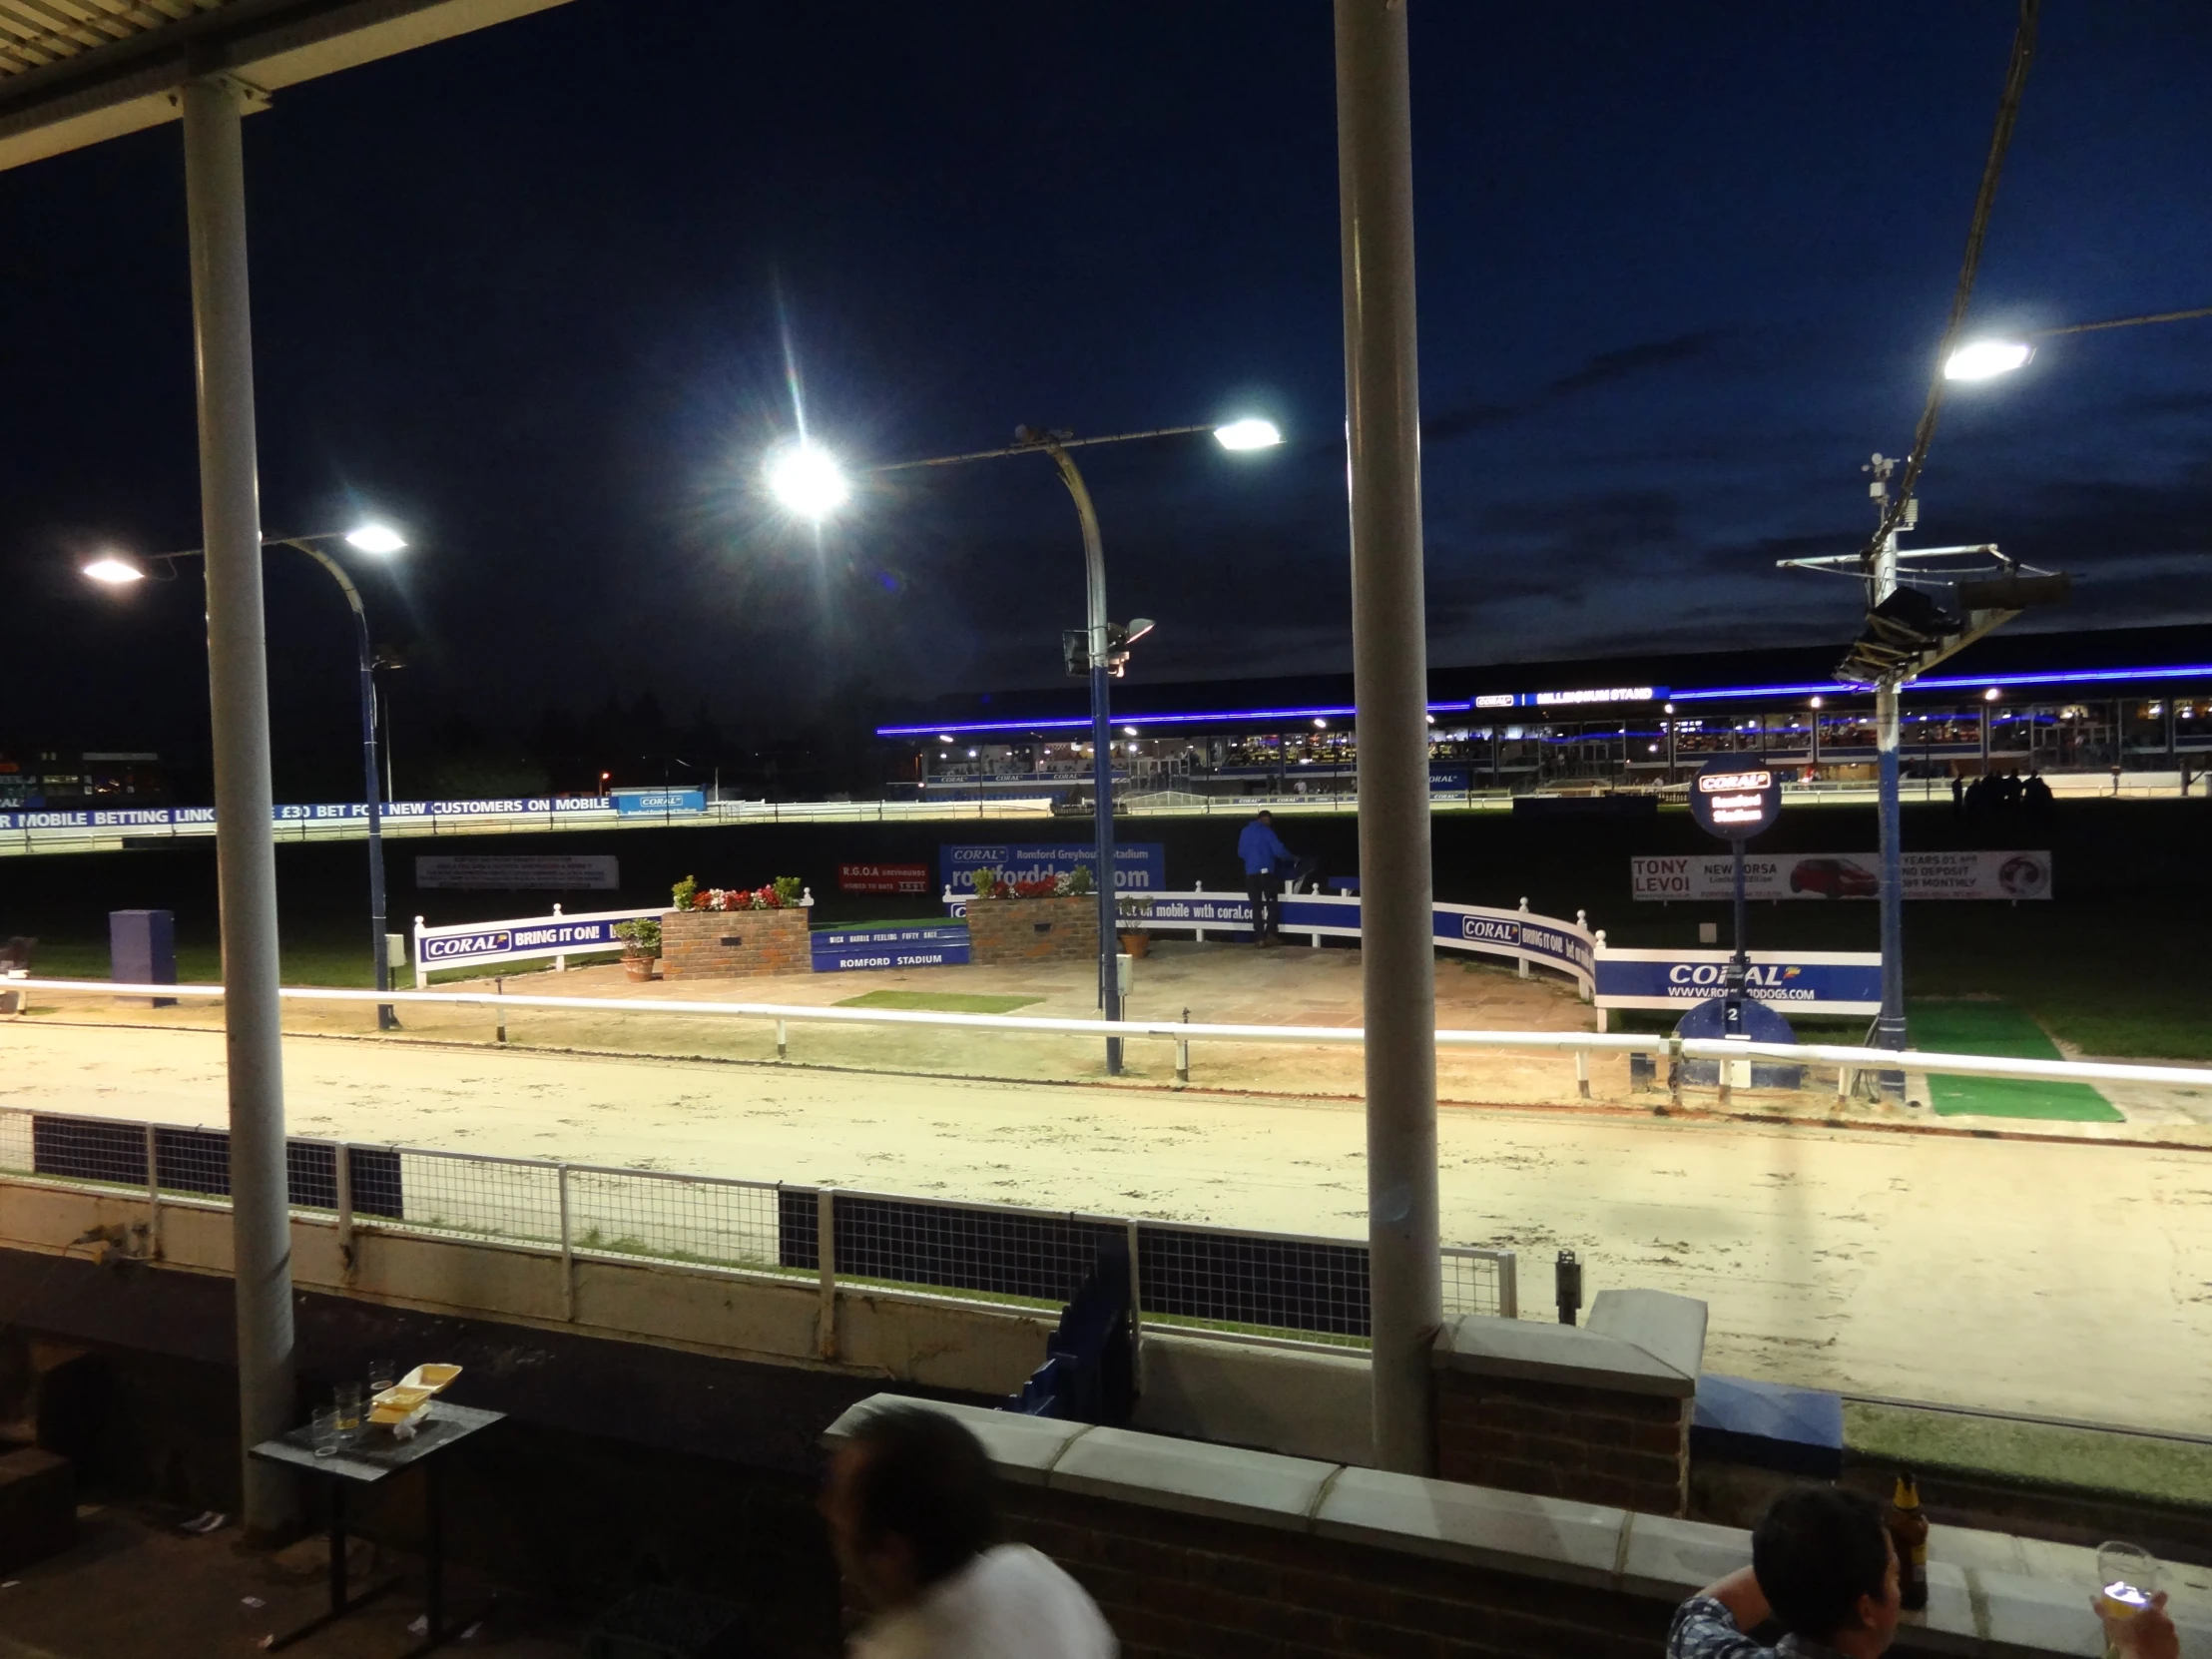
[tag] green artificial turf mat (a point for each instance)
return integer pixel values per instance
(1999, 1028)
(940, 1002)
(2172, 1471)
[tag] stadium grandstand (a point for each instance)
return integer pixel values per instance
(2070, 706)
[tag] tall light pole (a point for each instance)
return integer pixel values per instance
(1390, 668)
(116, 570)
(808, 482)
(1990, 590)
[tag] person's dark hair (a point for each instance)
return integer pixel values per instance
(1268, 816)
(1815, 1552)
(926, 1479)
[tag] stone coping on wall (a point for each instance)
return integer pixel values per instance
(1974, 1605)
(1636, 1342)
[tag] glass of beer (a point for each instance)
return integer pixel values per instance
(2128, 1578)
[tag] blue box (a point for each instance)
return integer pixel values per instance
(142, 950)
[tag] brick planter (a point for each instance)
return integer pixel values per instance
(727, 944)
(1598, 1412)
(1033, 929)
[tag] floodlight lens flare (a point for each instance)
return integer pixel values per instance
(1986, 360)
(114, 571)
(376, 538)
(807, 480)
(1248, 434)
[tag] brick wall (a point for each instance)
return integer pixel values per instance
(1599, 1446)
(1033, 929)
(720, 944)
(1184, 1586)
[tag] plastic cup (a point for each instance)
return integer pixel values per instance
(323, 1429)
(2127, 1579)
(382, 1374)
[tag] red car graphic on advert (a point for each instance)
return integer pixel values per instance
(1834, 878)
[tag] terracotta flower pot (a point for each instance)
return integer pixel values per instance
(1137, 944)
(638, 967)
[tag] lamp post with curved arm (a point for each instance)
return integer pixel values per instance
(117, 570)
(810, 483)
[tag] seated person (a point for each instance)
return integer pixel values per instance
(1822, 1565)
(1824, 1568)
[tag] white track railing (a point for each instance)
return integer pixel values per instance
(1182, 1033)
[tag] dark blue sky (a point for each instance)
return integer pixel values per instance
(1682, 268)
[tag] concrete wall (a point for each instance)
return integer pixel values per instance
(1196, 1551)
(1312, 1405)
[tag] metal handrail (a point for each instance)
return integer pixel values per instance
(1570, 1042)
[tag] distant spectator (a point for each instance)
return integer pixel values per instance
(1264, 855)
(1957, 795)
(910, 1512)
(2035, 794)
(1822, 1566)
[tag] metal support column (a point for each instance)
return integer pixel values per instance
(245, 849)
(1390, 689)
(1889, 1026)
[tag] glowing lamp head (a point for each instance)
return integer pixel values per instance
(115, 570)
(807, 480)
(1248, 434)
(1986, 360)
(376, 538)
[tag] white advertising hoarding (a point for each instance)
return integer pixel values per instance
(1696, 875)
(518, 871)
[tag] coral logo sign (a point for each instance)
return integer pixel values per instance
(468, 946)
(1811, 982)
(1736, 799)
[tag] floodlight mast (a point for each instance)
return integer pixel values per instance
(1897, 649)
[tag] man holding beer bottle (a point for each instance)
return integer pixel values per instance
(1824, 1568)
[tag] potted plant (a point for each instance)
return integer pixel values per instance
(641, 943)
(1135, 941)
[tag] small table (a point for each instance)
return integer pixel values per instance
(372, 1457)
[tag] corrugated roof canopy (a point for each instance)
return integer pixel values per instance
(35, 33)
(75, 72)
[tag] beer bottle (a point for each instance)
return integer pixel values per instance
(1909, 1531)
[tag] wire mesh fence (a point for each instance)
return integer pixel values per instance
(674, 1218)
(1228, 1282)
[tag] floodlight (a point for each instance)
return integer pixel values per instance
(115, 570)
(376, 538)
(1984, 359)
(807, 480)
(1248, 434)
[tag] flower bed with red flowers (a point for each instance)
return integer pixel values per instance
(784, 893)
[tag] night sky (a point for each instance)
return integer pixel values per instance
(541, 297)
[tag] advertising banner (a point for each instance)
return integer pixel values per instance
(891, 878)
(469, 944)
(922, 944)
(499, 872)
(1138, 865)
(339, 811)
(1543, 941)
(1977, 875)
(1810, 982)
(630, 802)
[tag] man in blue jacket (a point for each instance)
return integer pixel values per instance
(1261, 848)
